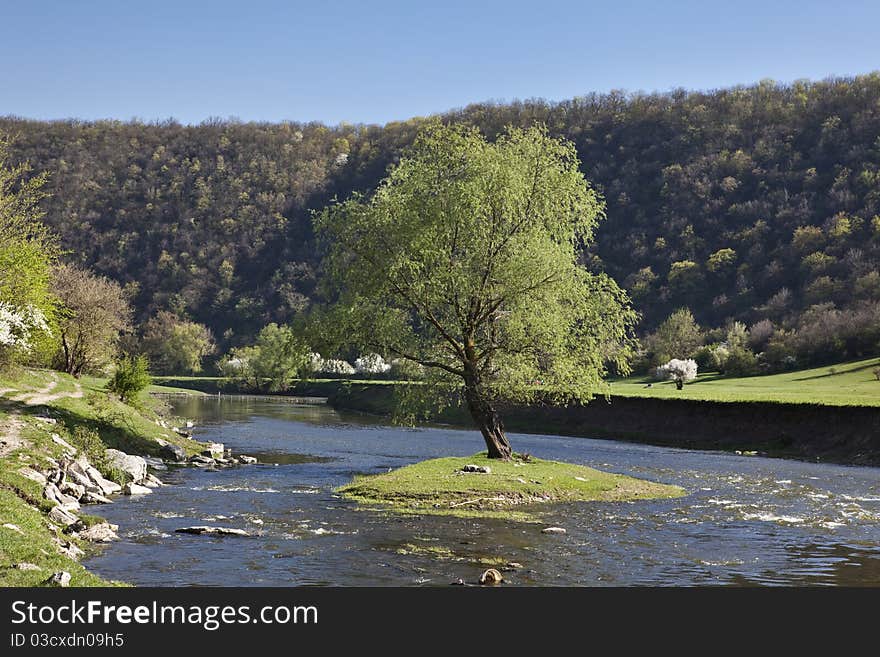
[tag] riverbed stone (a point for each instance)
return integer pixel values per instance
(152, 481)
(73, 489)
(553, 530)
(170, 451)
(214, 450)
(93, 497)
(247, 460)
(103, 532)
(132, 488)
(133, 466)
(209, 530)
(202, 461)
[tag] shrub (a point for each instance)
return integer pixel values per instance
(741, 361)
(130, 378)
(371, 364)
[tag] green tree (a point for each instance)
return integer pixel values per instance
(175, 345)
(678, 336)
(27, 252)
(465, 261)
(278, 356)
(132, 375)
(94, 314)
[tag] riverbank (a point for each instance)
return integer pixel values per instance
(55, 470)
(835, 434)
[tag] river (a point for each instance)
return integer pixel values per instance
(746, 520)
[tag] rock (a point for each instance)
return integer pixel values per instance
(205, 529)
(52, 493)
(491, 577)
(24, 565)
(132, 488)
(580, 479)
(202, 461)
(512, 565)
(553, 530)
(103, 532)
(47, 420)
(247, 460)
(190, 424)
(81, 468)
(33, 475)
(152, 481)
(92, 497)
(470, 467)
(58, 440)
(73, 489)
(60, 515)
(68, 549)
(61, 578)
(155, 463)
(171, 451)
(214, 450)
(134, 466)
(11, 527)
(458, 582)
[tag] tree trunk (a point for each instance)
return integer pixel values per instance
(489, 423)
(679, 384)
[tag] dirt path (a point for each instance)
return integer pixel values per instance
(45, 395)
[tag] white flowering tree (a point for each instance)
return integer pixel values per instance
(19, 326)
(678, 370)
(337, 367)
(371, 364)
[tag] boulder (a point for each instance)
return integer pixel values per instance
(68, 549)
(132, 488)
(86, 474)
(33, 475)
(61, 578)
(214, 450)
(553, 530)
(202, 461)
(155, 463)
(470, 467)
(52, 493)
(215, 531)
(92, 497)
(103, 532)
(73, 489)
(247, 460)
(60, 515)
(171, 451)
(152, 481)
(133, 466)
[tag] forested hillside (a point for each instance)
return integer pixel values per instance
(746, 203)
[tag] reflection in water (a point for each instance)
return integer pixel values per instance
(747, 521)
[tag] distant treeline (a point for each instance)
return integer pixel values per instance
(742, 204)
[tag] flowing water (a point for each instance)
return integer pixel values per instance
(746, 520)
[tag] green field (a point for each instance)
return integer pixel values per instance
(845, 384)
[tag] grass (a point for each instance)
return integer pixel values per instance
(75, 405)
(513, 489)
(845, 384)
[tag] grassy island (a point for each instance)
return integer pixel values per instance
(512, 489)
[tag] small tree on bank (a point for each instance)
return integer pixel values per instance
(130, 378)
(175, 345)
(465, 261)
(93, 316)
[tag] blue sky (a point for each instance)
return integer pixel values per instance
(380, 61)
